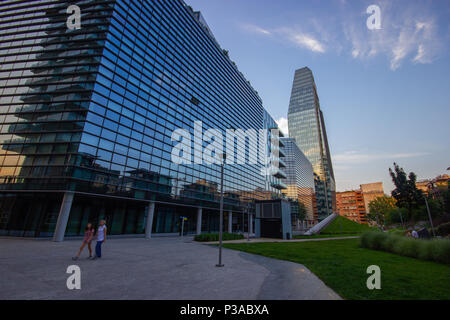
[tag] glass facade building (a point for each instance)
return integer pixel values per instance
(90, 112)
(306, 124)
(300, 182)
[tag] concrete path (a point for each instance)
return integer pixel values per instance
(160, 268)
(259, 240)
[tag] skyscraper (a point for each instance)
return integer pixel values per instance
(87, 116)
(307, 126)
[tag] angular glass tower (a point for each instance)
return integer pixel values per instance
(87, 116)
(307, 126)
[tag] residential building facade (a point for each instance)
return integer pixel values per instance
(354, 204)
(350, 204)
(370, 192)
(434, 187)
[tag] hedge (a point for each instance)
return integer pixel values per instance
(443, 230)
(437, 250)
(206, 237)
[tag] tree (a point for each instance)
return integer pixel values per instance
(405, 193)
(379, 209)
(445, 196)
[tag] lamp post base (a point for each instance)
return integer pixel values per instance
(220, 265)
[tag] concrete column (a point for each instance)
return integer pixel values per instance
(63, 217)
(230, 222)
(251, 224)
(257, 228)
(149, 224)
(199, 220)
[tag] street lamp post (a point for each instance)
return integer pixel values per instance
(247, 208)
(248, 217)
(182, 226)
(401, 219)
(221, 210)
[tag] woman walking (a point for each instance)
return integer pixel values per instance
(88, 235)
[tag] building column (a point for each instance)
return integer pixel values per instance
(230, 222)
(149, 224)
(199, 220)
(250, 223)
(63, 217)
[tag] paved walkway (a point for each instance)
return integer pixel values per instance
(258, 240)
(160, 268)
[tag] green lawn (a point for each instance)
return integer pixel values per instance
(342, 225)
(342, 265)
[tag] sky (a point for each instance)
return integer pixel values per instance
(385, 93)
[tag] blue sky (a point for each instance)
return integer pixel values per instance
(385, 93)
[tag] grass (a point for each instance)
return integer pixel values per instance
(207, 237)
(321, 236)
(342, 225)
(342, 265)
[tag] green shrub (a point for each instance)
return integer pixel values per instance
(437, 250)
(206, 237)
(366, 239)
(440, 250)
(443, 230)
(390, 242)
(407, 247)
(425, 250)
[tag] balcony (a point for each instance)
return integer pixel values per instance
(280, 175)
(275, 150)
(279, 185)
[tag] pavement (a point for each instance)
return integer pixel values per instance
(160, 268)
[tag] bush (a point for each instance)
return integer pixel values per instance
(407, 247)
(443, 230)
(440, 250)
(206, 237)
(437, 250)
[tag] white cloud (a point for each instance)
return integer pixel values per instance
(301, 39)
(283, 125)
(308, 42)
(255, 29)
(406, 33)
(420, 54)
